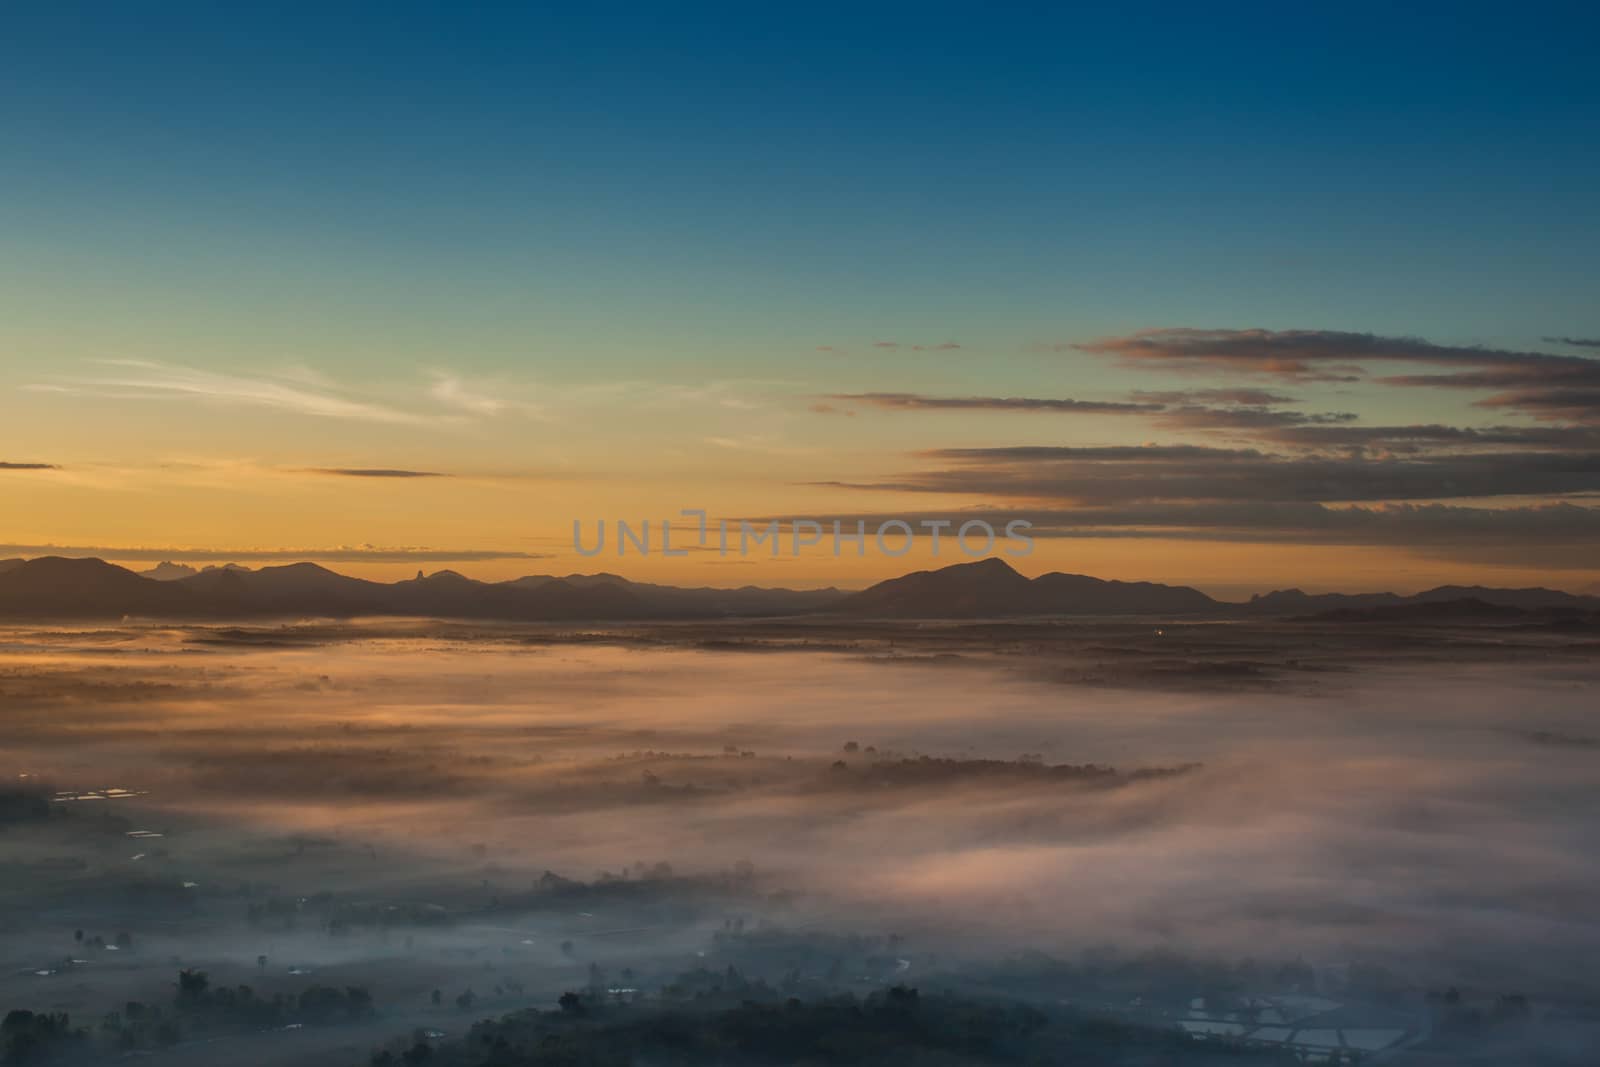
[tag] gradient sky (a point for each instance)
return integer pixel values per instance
(625, 261)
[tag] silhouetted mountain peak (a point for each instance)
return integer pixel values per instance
(167, 571)
(68, 566)
(985, 587)
(992, 587)
(300, 569)
(1279, 594)
(990, 565)
(446, 578)
(62, 586)
(983, 571)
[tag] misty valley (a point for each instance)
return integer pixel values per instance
(774, 535)
(1129, 841)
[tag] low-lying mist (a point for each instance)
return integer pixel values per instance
(1438, 820)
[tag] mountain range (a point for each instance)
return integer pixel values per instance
(58, 587)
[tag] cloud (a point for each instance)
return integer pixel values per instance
(1184, 397)
(1243, 418)
(1574, 405)
(1254, 413)
(1337, 355)
(29, 467)
(451, 391)
(146, 380)
(372, 472)
(492, 397)
(1457, 531)
(886, 344)
(1548, 386)
(1405, 524)
(1105, 453)
(1415, 438)
(758, 443)
(1576, 342)
(1191, 474)
(341, 554)
(910, 401)
(1168, 408)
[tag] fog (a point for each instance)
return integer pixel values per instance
(1434, 816)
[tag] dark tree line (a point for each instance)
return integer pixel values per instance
(899, 1025)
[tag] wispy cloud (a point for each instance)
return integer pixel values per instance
(1255, 398)
(1544, 384)
(1560, 531)
(1250, 420)
(759, 443)
(1576, 342)
(484, 398)
(1337, 355)
(1414, 438)
(1574, 405)
(1173, 409)
(148, 380)
(340, 554)
(29, 467)
(451, 391)
(947, 346)
(372, 472)
(1189, 474)
(440, 398)
(991, 403)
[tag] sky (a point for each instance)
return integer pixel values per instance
(1239, 297)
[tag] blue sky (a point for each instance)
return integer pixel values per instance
(737, 177)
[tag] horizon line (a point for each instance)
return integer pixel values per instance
(314, 561)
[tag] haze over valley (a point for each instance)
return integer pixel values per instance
(1094, 817)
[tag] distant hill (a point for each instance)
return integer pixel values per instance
(58, 587)
(965, 590)
(167, 571)
(1298, 602)
(990, 588)
(697, 601)
(292, 589)
(1529, 599)
(1295, 602)
(1080, 594)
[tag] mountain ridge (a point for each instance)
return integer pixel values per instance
(57, 587)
